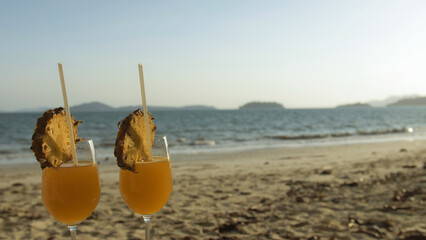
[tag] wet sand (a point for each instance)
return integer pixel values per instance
(352, 191)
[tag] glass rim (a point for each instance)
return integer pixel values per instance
(78, 147)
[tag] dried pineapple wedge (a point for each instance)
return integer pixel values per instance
(51, 142)
(131, 144)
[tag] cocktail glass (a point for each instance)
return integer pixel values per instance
(71, 192)
(148, 189)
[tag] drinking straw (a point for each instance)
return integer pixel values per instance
(68, 113)
(145, 113)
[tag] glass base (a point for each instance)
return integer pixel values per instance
(147, 220)
(73, 231)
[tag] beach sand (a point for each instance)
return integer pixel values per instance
(348, 191)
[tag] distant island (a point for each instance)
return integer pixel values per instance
(262, 105)
(101, 107)
(354, 105)
(390, 100)
(417, 101)
(92, 107)
(394, 101)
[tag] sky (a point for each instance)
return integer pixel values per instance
(302, 54)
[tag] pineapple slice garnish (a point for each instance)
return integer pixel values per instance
(131, 145)
(51, 142)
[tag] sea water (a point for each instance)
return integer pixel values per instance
(195, 131)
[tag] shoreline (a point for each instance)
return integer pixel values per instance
(351, 191)
(309, 155)
(104, 155)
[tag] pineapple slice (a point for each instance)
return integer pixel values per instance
(51, 142)
(131, 144)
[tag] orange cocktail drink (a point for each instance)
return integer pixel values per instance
(70, 193)
(148, 189)
(143, 157)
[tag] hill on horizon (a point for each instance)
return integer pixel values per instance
(101, 107)
(91, 107)
(354, 105)
(390, 100)
(416, 101)
(96, 106)
(262, 105)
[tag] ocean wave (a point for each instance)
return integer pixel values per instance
(203, 143)
(383, 131)
(311, 136)
(185, 142)
(5, 151)
(347, 134)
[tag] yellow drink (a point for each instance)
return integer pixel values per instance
(71, 193)
(149, 189)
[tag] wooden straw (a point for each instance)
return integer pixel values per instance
(145, 113)
(68, 113)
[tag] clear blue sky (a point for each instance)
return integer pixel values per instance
(219, 53)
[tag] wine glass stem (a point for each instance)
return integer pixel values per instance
(147, 220)
(73, 231)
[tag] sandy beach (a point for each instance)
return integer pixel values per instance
(349, 191)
